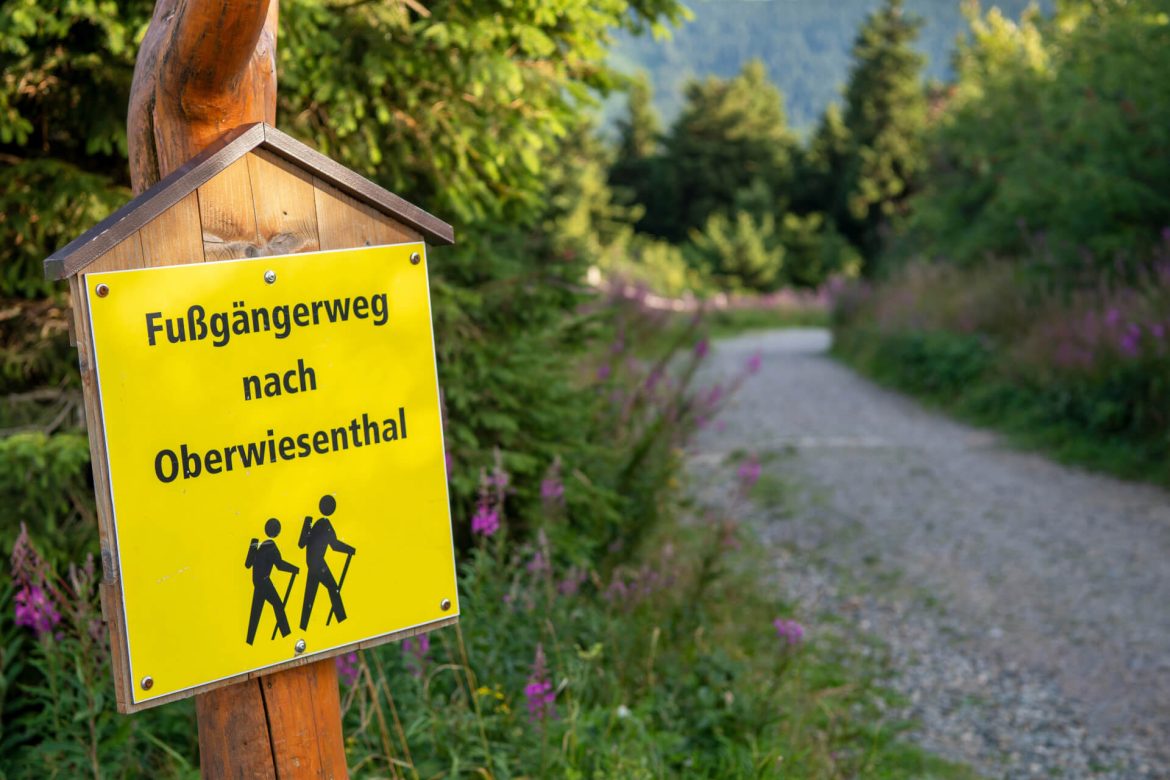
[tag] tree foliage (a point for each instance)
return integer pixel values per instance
(885, 115)
(805, 47)
(1055, 141)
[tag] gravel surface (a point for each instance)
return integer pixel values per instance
(1025, 605)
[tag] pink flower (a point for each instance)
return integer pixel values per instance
(485, 521)
(539, 564)
(754, 362)
(749, 472)
(415, 649)
(551, 490)
(571, 584)
(789, 630)
(347, 668)
(539, 693)
(35, 610)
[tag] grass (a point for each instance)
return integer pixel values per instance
(725, 323)
(959, 375)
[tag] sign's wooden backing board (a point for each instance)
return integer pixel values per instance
(259, 205)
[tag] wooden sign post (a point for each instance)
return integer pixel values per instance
(216, 182)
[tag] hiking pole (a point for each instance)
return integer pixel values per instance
(284, 604)
(340, 582)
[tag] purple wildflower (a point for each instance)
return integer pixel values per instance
(347, 668)
(35, 610)
(653, 379)
(702, 348)
(499, 478)
(713, 396)
(551, 490)
(749, 472)
(415, 649)
(539, 693)
(754, 362)
(604, 371)
(789, 630)
(486, 520)
(1131, 340)
(574, 578)
(539, 564)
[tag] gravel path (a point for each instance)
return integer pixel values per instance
(1025, 605)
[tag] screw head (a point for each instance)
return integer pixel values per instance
(415, 258)
(299, 646)
(147, 683)
(445, 604)
(270, 276)
(102, 290)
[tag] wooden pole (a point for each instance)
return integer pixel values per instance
(206, 67)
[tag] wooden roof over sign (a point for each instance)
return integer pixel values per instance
(102, 237)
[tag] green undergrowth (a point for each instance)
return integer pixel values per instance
(667, 667)
(732, 322)
(1075, 423)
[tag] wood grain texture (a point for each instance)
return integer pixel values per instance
(234, 741)
(270, 145)
(205, 67)
(304, 707)
(227, 216)
(175, 237)
(286, 209)
(344, 223)
(127, 254)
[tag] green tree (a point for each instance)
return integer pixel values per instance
(731, 134)
(1054, 146)
(823, 164)
(739, 253)
(636, 171)
(459, 107)
(885, 115)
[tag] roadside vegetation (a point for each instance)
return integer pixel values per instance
(1029, 283)
(610, 629)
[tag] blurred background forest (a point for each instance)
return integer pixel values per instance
(983, 195)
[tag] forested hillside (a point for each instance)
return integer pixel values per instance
(804, 45)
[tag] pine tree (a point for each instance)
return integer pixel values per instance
(636, 170)
(823, 165)
(731, 135)
(639, 133)
(885, 115)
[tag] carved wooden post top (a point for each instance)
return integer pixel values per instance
(205, 67)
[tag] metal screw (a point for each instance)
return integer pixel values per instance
(270, 277)
(415, 258)
(445, 604)
(147, 683)
(102, 290)
(299, 646)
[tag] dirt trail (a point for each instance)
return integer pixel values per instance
(1026, 604)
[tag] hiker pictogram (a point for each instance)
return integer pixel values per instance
(262, 558)
(317, 538)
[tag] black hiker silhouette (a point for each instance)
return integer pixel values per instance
(319, 537)
(262, 558)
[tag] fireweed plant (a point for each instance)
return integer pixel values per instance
(651, 651)
(634, 644)
(1079, 368)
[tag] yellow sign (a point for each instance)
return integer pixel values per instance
(276, 459)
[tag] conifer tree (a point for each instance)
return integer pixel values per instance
(731, 135)
(885, 115)
(637, 169)
(823, 165)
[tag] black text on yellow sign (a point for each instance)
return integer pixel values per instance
(276, 459)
